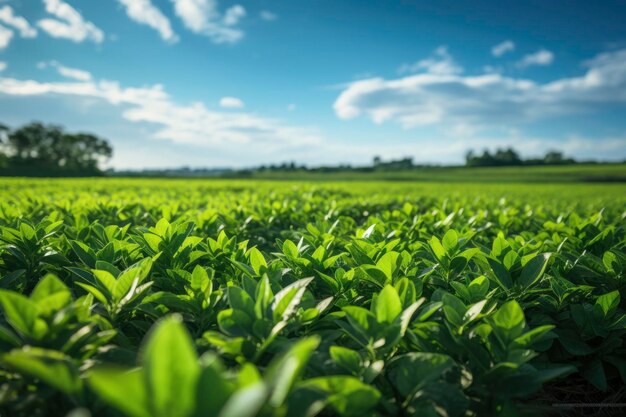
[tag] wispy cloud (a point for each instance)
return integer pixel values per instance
(542, 57)
(203, 17)
(502, 48)
(6, 35)
(3, 66)
(146, 13)
(67, 72)
(8, 17)
(231, 103)
(484, 100)
(69, 23)
(192, 124)
(243, 138)
(441, 62)
(267, 15)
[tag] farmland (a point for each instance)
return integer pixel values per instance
(229, 298)
(514, 174)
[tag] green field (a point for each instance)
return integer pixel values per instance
(231, 298)
(525, 174)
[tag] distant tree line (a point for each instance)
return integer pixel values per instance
(501, 157)
(509, 157)
(377, 165)
(37, 149)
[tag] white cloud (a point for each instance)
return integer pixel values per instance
(69, 24)
(240, 138)
(231, 103)
(484, 100)
(441, 62)
(203, 17)
(67, 72)
(267, 15)
(6, 35)
(291, 107)
(542, 57)
(146, 13)
(18, 22)
(502, 48)
(192, 124)
(3, 66)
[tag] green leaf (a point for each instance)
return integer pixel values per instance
(171, 369)
(368, 232)
(450, 240)
(500, 274)
(474, 311)
(200, 280)
(375, 275)
(535, 335)
(287, 300)
(213, 388)
(478, 287)
(51, 367)
(533, 270)
(509, 318)
(48, 286)
(406, 290)
(98, 295)
(234, 322)
(388, 263)
(27, 231)
(361, 317)
(413, 371)
(607, 303)
(131, 278)
(257, 261)
(348, 359)
(246, 402)
(407, 315)
(609, 259)
(285, 369)
(241, 300)
(453, 309)
(20, 312)
(437, 248)
(388, 305)
(290, 249)
(50, 295)
(345, 394)
(106, 280)
(84, 253)
(122, 389)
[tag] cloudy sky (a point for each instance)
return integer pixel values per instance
(240, 83)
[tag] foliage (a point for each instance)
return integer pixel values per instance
(194, 298)
(39, 150)
(509, 157)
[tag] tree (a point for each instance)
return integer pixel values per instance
(38, 149)
(3, 138)
(507, 157)
(553, 157)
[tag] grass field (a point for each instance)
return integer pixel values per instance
(229, 298)
(528, 174)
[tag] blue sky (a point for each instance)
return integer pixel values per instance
(241, 83)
